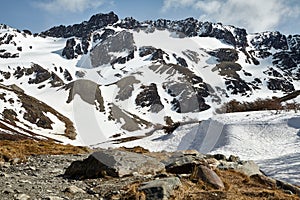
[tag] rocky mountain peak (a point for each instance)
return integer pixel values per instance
(83, 29)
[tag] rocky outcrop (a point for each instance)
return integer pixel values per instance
(89, 92)
(114, 163)
(149, 97)
(83, 29)
(119, 43)
(68, 51)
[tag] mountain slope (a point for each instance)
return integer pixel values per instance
(126, 78)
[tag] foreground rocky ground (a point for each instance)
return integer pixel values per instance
(136, 174)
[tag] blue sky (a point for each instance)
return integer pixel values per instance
(254, 15)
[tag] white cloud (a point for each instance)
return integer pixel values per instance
(167, 4)
(55, 6)
(254, 15)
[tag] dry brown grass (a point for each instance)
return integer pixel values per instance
(237, 187)
(9, 150)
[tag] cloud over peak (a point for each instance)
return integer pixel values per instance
(72, 6)
(255, 15)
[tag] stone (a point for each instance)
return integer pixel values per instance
(8, 191)
(233, 158)
(22, 197)
(208, 176)
(74, 189)
(160, 189)
(182, 164)
(114, 163)
(54, 198)
(248, 168)
(287, 186)
(4, 175)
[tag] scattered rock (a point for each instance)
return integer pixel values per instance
(8, 191)
(54, 198)
(22, 197)
(74, 189)
(160, 189)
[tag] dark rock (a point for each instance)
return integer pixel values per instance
(97, 37)
(149, 97)
(286, 186)
(228, 69)
(28, 32)
(114, 163)
(67, 75)
(219, 157)
(160, 189)
(267, 40)
(225, 55)
(78, 50)
(80, 74)
(238, 86)
(68, 51)
(280, 84)
(41, 74)
(233, 158)
(55, 81)
(183, 164)
(84, 29)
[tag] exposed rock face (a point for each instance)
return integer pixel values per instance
(114, 163)
(88, 90)
(126, 87)
(85, 28)
(280, 84)
(68, 51)
(149, 97)
(103, 53)
(225, 55)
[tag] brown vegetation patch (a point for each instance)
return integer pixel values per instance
(258, 105)
(237, 187)
(20, 149)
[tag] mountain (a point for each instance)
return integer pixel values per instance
(110, 81)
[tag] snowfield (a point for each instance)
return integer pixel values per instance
(272, 140)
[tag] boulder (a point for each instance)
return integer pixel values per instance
(179, 163)
(160, 189)
(208, 176)
(249, 168)
(114, 163)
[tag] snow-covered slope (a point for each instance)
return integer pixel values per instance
(122, 82)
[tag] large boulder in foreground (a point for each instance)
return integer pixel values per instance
(114, 163)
